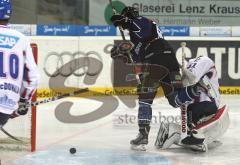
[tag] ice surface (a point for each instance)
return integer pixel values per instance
(105, 141)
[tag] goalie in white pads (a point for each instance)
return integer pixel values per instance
(18, 71)
(206, 120)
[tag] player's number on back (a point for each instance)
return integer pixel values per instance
(9, 65)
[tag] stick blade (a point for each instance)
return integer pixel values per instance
(80, 91)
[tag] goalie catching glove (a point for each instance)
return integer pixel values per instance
(23, 106)
(122, 49)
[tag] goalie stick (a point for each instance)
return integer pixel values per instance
(183, 107)
(124, 39)
(120, 28)
(184, 114)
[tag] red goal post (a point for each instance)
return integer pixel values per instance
(33, 109)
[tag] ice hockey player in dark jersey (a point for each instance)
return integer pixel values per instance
(149, 47)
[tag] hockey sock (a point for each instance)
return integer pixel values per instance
(144, 113)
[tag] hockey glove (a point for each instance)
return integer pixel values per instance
(122, 49)
(186, 95)
(118, 20)
(23, 106)
(125, 47)
(115, 52)
(205, 86)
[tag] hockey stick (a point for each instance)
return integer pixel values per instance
(183, 107)
(183, 45)
(120, 28)
(59, 97)
(43, 102)
(9, 135)
(183, 121)
(124, 39)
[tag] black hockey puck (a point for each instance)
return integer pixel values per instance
(72, 150)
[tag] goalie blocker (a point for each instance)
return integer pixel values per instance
(211, 130)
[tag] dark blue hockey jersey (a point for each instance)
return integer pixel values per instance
(142, 31)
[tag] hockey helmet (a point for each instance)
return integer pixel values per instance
(130, 12)
(5, 9)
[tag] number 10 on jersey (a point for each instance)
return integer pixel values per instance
(9, 65)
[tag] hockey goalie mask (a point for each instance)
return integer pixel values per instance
(188, 78)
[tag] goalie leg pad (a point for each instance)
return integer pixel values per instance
(168, 134)
(216, 126)
(162, 135)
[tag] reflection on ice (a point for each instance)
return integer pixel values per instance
(61, 156)
(103, 142)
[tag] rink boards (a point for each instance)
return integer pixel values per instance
(60, 59)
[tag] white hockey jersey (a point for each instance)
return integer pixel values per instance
(19, 75)
(201, 67)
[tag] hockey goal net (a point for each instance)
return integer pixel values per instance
(23, 128)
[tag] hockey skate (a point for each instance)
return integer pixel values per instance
(192, 140)
(140, 142)
(195, 140)
(198, 148)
